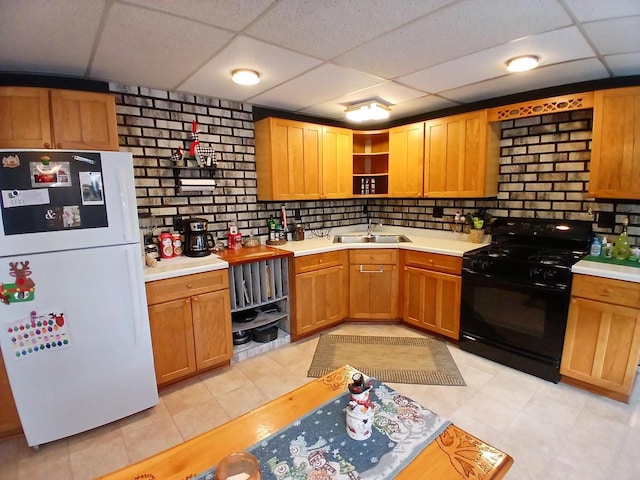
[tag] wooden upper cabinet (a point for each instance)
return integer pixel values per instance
(62, 119)
(462, 154)
(615, 149)
(288, 159)
(24, 118)
(406, 160)
(84, 120)
(337, 165)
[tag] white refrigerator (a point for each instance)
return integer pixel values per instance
(75, 330)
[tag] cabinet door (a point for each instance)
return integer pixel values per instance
(406, 160)
(9, 419)
(373, 291)
(615, 149)
(172, 340)
(321, 299)
(212, 329)
(24, 118)
(432, 301)
(602, 345)
(288, 159)
(457, 150)
(337, 165)
(84, 120)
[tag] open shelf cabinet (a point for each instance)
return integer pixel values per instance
(261, 287)
(371, 162)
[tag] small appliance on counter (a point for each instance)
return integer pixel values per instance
(198, 242)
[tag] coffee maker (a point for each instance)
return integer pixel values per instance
(198, 242)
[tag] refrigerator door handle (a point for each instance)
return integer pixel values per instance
(136, 295)
(126, 208)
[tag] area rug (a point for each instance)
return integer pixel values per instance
(421, 360)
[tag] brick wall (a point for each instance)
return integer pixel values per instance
(544, 168)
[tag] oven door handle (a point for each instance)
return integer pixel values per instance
(534, 285)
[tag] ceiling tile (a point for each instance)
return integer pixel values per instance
(429, 103)
(230, 14)
(552, 47)
(316, 86)
(561, 74)
(589, 10)
(460, 29)
(166, 49)
(328, 28)
(274, 64)
(48, 37)
(620, 35)
(624, 64)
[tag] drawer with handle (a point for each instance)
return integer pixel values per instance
(161, 291)
(617, 292)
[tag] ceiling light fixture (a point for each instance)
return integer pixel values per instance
(523, 63)
(369, 110)
(244, 76)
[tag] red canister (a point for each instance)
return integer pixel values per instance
(166, 245)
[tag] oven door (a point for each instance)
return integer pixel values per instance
(522, 318)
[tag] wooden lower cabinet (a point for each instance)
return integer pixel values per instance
(321, 292)
(190, 319)
(602, 341)
(373, 284)
(9, 419)
(431, 297)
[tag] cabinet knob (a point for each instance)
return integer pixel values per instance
(189, 285)
(607, 292)
(195, 299)
(46, 145)
(59, 145)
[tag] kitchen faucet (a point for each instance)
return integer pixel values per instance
(371, 228)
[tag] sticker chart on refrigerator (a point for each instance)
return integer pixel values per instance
(73, 313)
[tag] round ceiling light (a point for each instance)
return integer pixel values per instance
(244, 76)
(523, 63)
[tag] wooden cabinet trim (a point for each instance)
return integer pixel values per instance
(564, 103)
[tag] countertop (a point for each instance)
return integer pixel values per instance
(607, 270)
(433, 241)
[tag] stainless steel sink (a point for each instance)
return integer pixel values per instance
(363, 238)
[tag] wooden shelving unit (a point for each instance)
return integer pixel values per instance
(262, 286)
(371, 162)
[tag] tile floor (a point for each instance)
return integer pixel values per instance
(552, 431)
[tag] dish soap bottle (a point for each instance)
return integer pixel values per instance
(621, 249)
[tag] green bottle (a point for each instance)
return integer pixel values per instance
(621, 249)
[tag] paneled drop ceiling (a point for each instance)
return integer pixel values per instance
(316, 57)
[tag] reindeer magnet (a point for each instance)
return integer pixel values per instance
(23, 289)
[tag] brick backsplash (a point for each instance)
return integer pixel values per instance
(544, 167)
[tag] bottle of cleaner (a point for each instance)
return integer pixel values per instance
(621, 249)
(596, 247)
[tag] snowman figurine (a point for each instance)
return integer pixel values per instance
(359, 410)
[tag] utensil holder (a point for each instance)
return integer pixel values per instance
(476, 235)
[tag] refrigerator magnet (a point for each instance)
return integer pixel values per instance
(22, 289)
(12, 161)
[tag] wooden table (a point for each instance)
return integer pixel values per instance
(454, 455)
